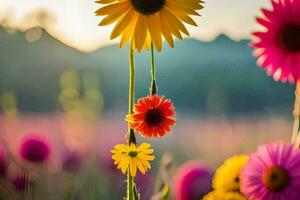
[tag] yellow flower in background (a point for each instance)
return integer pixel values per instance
(133, 157)
(146, 21)
(227, 177)
(217, 195)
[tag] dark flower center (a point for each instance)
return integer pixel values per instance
(148, 7)
(237, 180)
(132, 154)
(153, 117)
(289, 37)
(276, 178)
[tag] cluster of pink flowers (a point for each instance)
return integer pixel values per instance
(273, 171)
(34, 150)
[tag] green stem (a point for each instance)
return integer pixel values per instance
(131, 139)
(131, 80)
(130, 181)
(153, 89)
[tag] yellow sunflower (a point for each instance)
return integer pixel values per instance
(146, 21)
(217, 195)
(133, 157)
(227, 177)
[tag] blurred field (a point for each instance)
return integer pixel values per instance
(81, 136)
(195, 137)
(209, 140)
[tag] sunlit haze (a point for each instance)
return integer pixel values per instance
(75, 23)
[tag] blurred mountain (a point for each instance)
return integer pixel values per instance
(220, 76)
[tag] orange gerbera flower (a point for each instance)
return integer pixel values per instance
(153, 116)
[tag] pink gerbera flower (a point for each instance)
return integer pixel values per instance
(34, 148)
(192, 181)
(278, 46)
(273, 172)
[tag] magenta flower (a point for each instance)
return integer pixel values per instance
(20, 182)
(3, 163)
(192, 181)
(35, 148)
(278, 46)
(273, 172)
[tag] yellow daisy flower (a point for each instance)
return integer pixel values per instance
(227, 177)
(217, 195)
(133, 157)
(146, 21)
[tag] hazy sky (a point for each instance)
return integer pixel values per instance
(76, 24)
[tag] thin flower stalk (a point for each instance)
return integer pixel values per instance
(153, 89)
(131, 137)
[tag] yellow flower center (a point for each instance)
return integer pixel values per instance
(276, 178)
(132, 154)
(289, 37)
(148, 7)
(153, 117)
